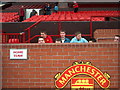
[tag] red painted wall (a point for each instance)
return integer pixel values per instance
(45, 61)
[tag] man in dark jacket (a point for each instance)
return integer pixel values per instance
(48, 9)
(33, 13)
(63, 38)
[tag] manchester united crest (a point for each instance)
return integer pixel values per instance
(77, 83)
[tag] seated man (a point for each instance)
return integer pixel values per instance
(78, 38)
(47, 38)
(117, 38)
(33, 13)
(41, 40)
(58, 40)
(63, 38)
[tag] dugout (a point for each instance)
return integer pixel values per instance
(53, 28)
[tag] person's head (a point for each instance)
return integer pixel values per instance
(58, 40)
(41, 40)
(74, 1)
(22, 6)
(78, 35)
(48, 4)
(92, 40)
(43, 34)
(56, 3)
(62, 34)
(117, 38)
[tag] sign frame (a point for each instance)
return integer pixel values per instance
(18, 54)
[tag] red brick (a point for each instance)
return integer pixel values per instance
(4, 80)
(24, 65)
(63, 53)
(35, 80)
(56, 50)
(34, 50)
(8, 84)
(40, 61)
(58, 65)
(46, 65)
(35, 57)
(24, 80)
(34, 65)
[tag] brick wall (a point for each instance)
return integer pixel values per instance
(0, 38)
(45, 61)
(105, 34)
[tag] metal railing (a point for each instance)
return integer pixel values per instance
(13, 37)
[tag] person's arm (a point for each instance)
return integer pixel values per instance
(85, 41)
(72, 41)
(67, 40)
(51, 41)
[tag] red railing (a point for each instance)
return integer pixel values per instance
(28, 29)
(13, 37)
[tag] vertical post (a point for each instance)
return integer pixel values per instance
(23, 36)
(17, 37)
(28, 35)
(59, 26)
(3, 38)
(91, 34)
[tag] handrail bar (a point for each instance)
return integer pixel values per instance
(12, 33)
(35, 24)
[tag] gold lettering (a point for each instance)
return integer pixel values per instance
(99, 77)
(97, 74)
(93, 71)
(83, 69)
(67, 76)
(62, 81)
(103, 81)
(76, 69)
(88, 69)
(72, 71)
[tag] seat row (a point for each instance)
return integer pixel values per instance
(62, 18)
(71, 16)
(13, 40)
(9, 17)
(91, 13)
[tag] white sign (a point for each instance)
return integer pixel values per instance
(28, 11)
(18, 53)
